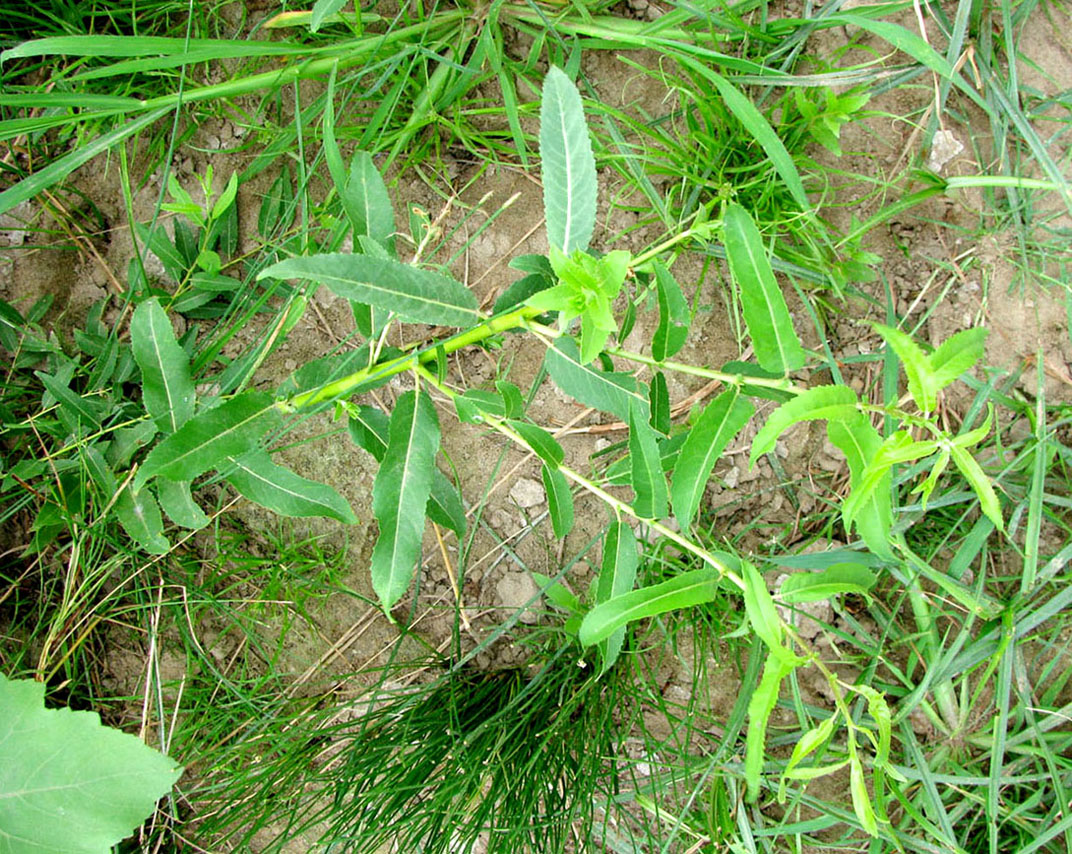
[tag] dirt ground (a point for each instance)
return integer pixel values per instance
(941, 282)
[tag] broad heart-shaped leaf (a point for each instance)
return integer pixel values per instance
(765, 313)
(279, 489)
(859, 441)
(683, 591)
(210, 437)
(605, 390)
(673, 326)
(139, 514)
(832, 402)
(400, 493)
(69, 785)
(617, 575)
(175, 500)
(369, 428)
(559, 500)
(764, 698)
(416, 294)
(167, 389)
(649, 482)
(921, 380)
(569, 169)
(838, 578)
(714, 430)
(957, 354)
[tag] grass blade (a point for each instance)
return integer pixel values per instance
(765, 313)
(400, 493)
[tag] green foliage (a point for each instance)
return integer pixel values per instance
(69, 784)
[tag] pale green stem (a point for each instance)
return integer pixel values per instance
(780, 384)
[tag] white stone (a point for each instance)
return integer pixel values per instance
(527, 493)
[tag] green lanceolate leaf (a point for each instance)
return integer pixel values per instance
(400, 493)
(209, 438)
(861, 798)
(606, 390)
(673, 326)
(659, 401)
(649, 482)
(322, 10)
(805, 746)
(763, 701)
(415, 294)
(859, 441)
(139, 514)
(714, 430)
(542, 443)
(369, 428)
(569, 169)
(980, 484)
(759, 606)
(367, 202)
(617, 575)
(559, 500)
(167, 389)
(683, 591)
(179, 505)
(765, 312)
(957, 354)
(832, 402)
(69, 784)
(835, 579)
(282, 491)
(921, 380)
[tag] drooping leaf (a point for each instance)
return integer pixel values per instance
(764, 699)
(832, 402)
(980, 484)
(774, 340)
(807, 744)
(606, 390)
(648, 480)
(569, 169)
(77, 409)
(282, 491)
(759, 606)
(921, 380)
(559, 500)
(714, 430)
(673, 326)
(683, 591)
(167, 388)
(210, 437)
(400, 493)
(835, 579)
(416, 294)
(659, 402)
(617, 575)
(861, 798)
(542, 443)
(139, 514)
(859, 441)
(69, 785)
(179, 505)
(957, 354)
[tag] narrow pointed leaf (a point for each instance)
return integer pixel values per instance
(139, 514)
(559, 500)
(673, 326)
(209, 438)
(69, 784)
(838, 578)
(416, 294)
(832, 402)
(683, 591)
(921, 379)
(774, 340)
(322, 10)
(167, 389)
(367, 202)
(179, 505)
(659, 402)
(400, 493)
(617, 575)
(282, 491)
(569, 169)
(606, 390)
(980, 484)
(714, 430)
(956, 355)
(861, 798)
(763, 701)
(649, 482)
(80, 409)
(445, 506)
(759, 606)
(511, 397)
(806, 745)
(859, 441)
(542, 443)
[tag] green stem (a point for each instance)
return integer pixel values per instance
(781, 383)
